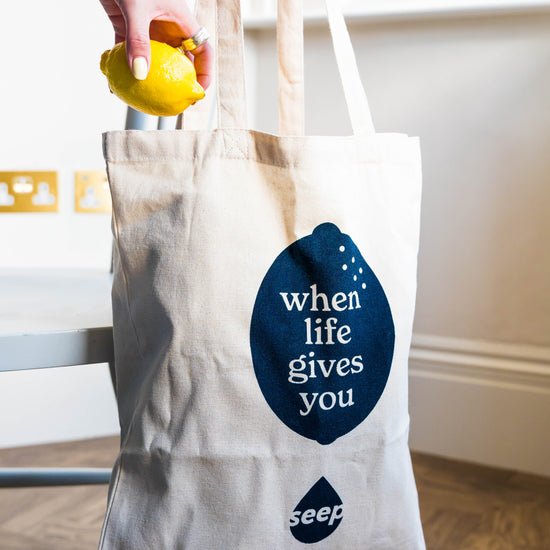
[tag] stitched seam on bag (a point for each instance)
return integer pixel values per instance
(243, 152)
(259, 161)
(234, 151)
(307, 145)
(254, 158)
(240, 151)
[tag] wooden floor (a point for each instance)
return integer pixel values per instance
(463, 506)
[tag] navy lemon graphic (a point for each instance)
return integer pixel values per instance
(318, 514)
(322, 336)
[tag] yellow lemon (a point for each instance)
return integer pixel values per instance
(170, 87)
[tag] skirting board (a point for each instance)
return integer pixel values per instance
(479, 401)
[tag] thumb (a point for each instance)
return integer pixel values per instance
(138, 45)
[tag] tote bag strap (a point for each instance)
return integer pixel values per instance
(230, 84)
(290, 51)
(198, 116)
(223, 20)
(291, 72)
(224, 16)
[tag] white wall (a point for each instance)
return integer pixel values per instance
(475, 89)
(54, 105)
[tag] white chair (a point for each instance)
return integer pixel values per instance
(56, 318)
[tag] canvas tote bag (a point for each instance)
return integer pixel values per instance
(263, 301)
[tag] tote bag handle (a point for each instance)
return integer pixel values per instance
(290, 47)
(224, 17)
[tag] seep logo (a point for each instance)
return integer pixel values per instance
(322, 336)
(318, 514)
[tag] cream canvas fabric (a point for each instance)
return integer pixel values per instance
(263, 301)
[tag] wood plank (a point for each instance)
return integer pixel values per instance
(58, 518)
(473, 507)
(94, 453)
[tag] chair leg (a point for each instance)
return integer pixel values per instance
(52, 477)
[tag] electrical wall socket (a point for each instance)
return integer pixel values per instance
(91, 192)
(28, 191)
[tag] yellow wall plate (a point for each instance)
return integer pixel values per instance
(28, 191)
(91, 192)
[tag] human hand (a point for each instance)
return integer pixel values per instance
(169, 21)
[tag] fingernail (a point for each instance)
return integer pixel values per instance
(139, 68)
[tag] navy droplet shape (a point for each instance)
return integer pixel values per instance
(322, 336)
(318, 514)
